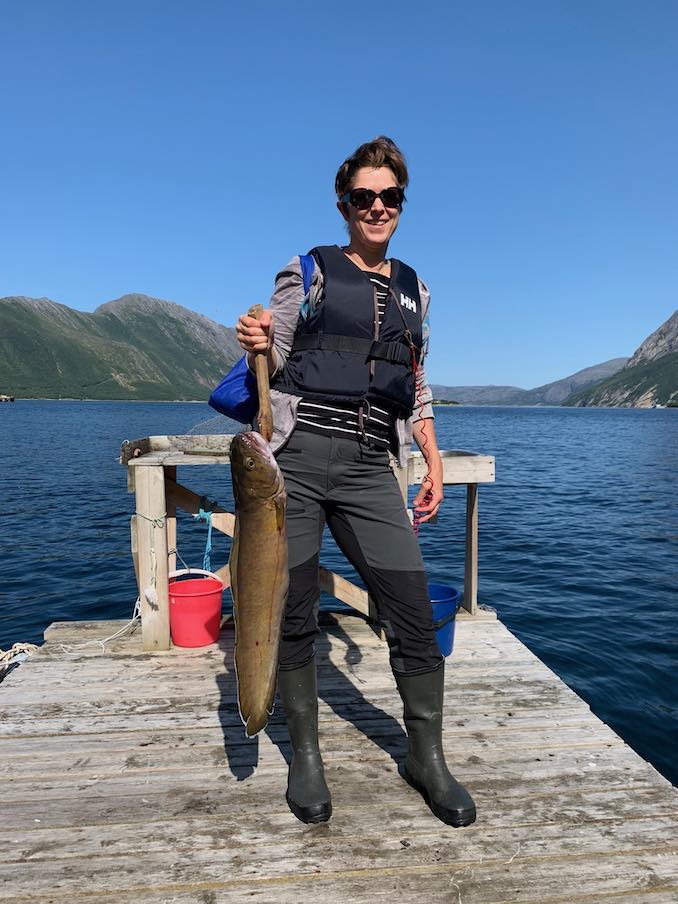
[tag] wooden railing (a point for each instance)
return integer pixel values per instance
(152, 465)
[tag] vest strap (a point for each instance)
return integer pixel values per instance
(395, 352)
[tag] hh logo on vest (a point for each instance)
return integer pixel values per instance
(408, 302)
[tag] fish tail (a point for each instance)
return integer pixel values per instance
(255, 724)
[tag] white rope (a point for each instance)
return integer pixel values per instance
(136, 617)
(17, 651)
(21, 651)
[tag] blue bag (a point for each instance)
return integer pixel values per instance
(236, 396)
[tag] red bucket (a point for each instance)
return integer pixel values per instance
(195, 607)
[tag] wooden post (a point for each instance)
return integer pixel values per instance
(152, 540)
(171, 474)
(403, 478)
(471, 560)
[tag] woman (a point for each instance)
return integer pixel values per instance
(347, 384)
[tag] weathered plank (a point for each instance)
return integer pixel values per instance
(277, 853)
(458, 467)
(373, 797)
(128, 778)
(203, 833)
(133, 754)
(440, 888)
(198, 444)
(540, 877)
(534, 692)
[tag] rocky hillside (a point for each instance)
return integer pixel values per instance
(649, 378)
(549, 394)
(664, 341)
(136, 347)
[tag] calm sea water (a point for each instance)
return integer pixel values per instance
(578, 537)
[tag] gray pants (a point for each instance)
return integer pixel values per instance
(351, 488)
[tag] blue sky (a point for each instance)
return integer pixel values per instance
(188, 150)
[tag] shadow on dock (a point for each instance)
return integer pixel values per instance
(340, 690)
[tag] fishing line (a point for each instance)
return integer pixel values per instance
(420, 402)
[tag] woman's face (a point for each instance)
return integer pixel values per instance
(374, 227)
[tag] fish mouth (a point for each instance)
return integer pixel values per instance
(256, 443)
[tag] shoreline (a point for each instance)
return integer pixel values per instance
(434, 404)
(138, 401)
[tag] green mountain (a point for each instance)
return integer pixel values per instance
(649, 378)
(643, 386)
(136, 347)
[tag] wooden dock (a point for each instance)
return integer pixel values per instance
(126, 777)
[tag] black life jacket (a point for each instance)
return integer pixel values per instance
(336, 355)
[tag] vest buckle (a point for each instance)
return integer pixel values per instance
(364, 414)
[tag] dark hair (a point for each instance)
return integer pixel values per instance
(381, 151)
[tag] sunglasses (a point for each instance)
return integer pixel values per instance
(364, 198)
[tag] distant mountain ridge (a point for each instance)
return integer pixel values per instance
(135, 347)
(550, 394)
(649, 378)
(139, 347)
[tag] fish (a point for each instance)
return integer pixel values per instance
(259, 572)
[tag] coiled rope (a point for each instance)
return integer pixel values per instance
(20, 651)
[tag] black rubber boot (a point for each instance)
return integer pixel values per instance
(424, 766)
(308, 796)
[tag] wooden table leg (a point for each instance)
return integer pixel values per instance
(470, 602)
(151, 531)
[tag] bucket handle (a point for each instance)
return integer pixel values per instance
(441, 622)
(184, 571)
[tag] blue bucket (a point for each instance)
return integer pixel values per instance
(445, 601)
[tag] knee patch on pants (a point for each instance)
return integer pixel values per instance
(405, 614)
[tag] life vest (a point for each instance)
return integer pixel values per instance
(338, 354)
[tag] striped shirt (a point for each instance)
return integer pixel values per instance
(341, 418)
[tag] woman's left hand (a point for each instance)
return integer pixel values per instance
(430, 496)
(428, 499)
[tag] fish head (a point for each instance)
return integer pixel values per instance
(255, 472)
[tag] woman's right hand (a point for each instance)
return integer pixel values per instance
(255, 336)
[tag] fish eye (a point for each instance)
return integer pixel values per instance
(249, 463)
